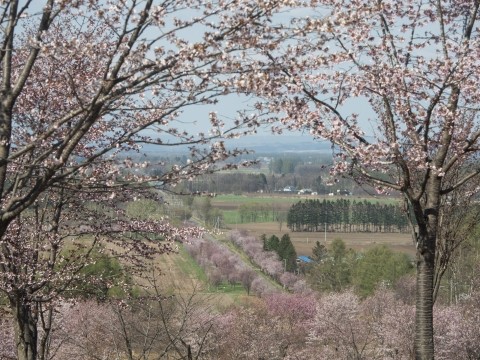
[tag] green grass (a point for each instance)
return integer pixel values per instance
(262, 199)
(188, 266)
(226, 288)
(231, 216)
(291, 199)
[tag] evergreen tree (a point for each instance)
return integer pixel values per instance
(319, 251)
(271, 244)
(335, 272)
(287, 253)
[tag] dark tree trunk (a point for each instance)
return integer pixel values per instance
(46, 317)
(26, 334)
(424, 304)
(427, 220)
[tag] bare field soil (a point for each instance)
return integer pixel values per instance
(305, 241)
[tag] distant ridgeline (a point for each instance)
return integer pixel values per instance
(347, 216)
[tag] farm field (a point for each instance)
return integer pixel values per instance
(283, 201)
(305, 241)
(230, 201)
(266, 207)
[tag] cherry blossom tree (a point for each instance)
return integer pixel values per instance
(54, 249)
(271, 329)
(393, 87)
(156, 326)
(339, 330)
(7, 347)
(246, 277)
(82, 83)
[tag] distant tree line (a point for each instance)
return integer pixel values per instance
(284, 165)
(282, 172)
(238, 182)
(228, 183)
(346, 216)
(271, 174)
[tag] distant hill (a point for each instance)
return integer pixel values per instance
(260, 144)
(282, 143)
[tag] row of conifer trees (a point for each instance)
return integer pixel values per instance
(344, 215)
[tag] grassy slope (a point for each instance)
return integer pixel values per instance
(180, 273)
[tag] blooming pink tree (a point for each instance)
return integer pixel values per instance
(59, 237)
(7, 347)
(393, 86)
(456, 333)
(339, 330)
(393, 324)
(247, 276)
(272, 329)
(81, 83)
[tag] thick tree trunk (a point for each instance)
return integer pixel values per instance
(424, 347)
(26, 334)
(427, 220)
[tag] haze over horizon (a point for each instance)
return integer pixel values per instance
(260, 143)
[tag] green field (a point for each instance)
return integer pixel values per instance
(187, 266)
(280, 198)
(231, 199)
(274, 204)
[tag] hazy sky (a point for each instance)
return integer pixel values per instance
(195, 119)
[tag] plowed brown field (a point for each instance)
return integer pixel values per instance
(304, 241)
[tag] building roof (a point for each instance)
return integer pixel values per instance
(305, 259)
